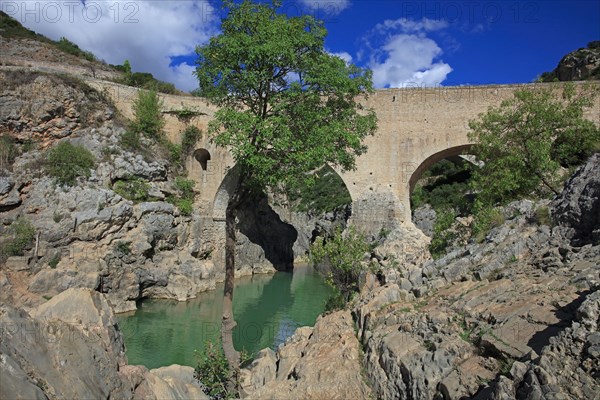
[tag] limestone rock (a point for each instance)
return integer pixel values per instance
(315, 363)
(577, 208)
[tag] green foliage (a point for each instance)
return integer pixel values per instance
(122, 248)
(130, 140)
(185, 114)
(8, 152)
(485, 217)
(343, 254)
(69, 47)
(135, 189)
(189, 138)
(66, 162)
(327, 193)
(53, 263)
(174, 150)
(542, 216)
(525, 140)
(143, 80)
(444, 185)
(11, 28)
(20, 235)
(185, 199)
(443, 235)
(213, 371)
(148, 120)
(286, 106)
(127, 67)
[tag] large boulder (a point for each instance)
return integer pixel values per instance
(577, 208)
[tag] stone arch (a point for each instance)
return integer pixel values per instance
(202, 156)
(433, 159)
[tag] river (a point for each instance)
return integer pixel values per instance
(267, 309)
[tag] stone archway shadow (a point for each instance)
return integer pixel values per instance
(259, 223)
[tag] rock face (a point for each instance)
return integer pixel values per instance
(579, 65)
(71, 347)
(315, 363)
(42, 107)
(577, 208)
(424, 219)
(569, 367)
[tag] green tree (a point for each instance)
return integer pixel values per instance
(342, 254)
(525, 140)
(287, 107)
(149, 120)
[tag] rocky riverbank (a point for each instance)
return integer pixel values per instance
(515, 316)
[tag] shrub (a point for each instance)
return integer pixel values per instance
(213, 371)
(327, 192)
(69, 47)
(148, 117)
(542, 216)
(135, 189)
(174, 153)
(343, 254)
(485, 218)
(130, 140)
(66, 162)
(20, 235)
(123, 248)
(190, 137)
(443, 235)
(53, 263)
(8, 152)
(185, 200)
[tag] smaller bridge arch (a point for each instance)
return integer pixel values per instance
(432, 160)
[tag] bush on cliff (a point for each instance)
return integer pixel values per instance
(66, 162)
(148, 120)
(343, 254)
(19, 236)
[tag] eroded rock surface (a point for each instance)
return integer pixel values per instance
(71, 348)
(316, 363)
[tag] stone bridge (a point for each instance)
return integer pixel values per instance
(417, 127)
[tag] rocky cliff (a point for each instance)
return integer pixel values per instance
(579, 65)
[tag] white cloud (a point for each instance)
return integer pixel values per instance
(328, 7)
(147, 33)
(408, 59)
(408, 25)
(344, 56)
(403, 54)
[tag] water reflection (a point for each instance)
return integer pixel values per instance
(267, 308)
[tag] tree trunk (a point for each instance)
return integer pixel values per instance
(228, 322)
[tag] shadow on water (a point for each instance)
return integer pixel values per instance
(267, 308)
(264, 227)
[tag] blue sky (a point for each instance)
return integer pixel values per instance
(405, 43)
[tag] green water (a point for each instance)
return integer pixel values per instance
(267, 309)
